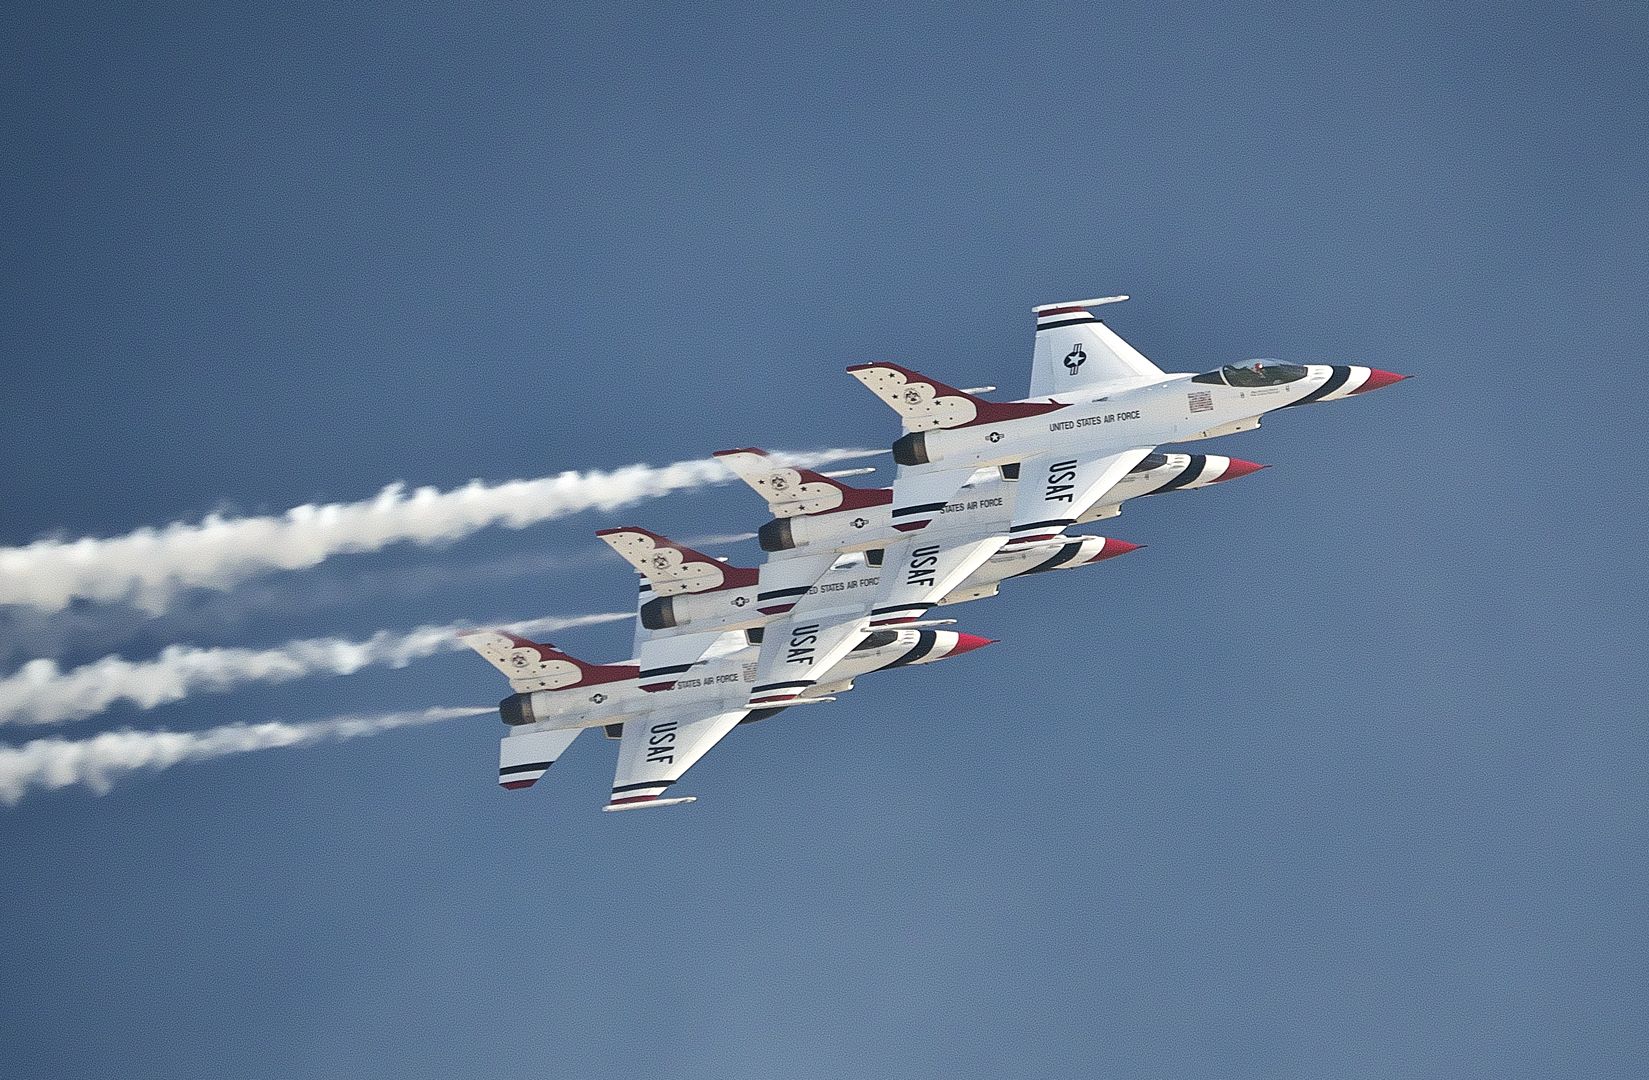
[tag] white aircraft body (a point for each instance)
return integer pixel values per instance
(985, 492)
(661, 734)
(1097, 408)
(813, 511)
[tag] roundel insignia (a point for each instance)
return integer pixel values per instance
(598, 698)
(995, 436)
(1075, 358)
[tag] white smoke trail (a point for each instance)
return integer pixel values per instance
(718, 538)
(151, 566)
(42, 693)
(100, 760)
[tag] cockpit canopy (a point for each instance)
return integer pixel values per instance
(1253, 373)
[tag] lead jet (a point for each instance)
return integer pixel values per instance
(1097, 408)
(661, 734)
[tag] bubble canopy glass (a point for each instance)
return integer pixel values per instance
(1253, 373)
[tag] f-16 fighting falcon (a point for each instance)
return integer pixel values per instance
(661, 734)
(1096, 409)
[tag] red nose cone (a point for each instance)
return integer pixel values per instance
(1377, 379)
(970, 642)
(1239, 467)
(1114, 547)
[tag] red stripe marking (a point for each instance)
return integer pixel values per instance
(775, 610)
(517, 785)
(1051, 312)
(631, 799)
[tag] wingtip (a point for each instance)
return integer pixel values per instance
(643, 803)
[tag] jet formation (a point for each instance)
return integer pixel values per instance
(986, 491)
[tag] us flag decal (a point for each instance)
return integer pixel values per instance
(1201, 400)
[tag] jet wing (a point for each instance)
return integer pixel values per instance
(919, 572)
(656, 750)
(800, 648)
(1077, 354)
(665, 658)
(920, 493)
(1056, 489)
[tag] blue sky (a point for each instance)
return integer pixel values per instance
(1343, 776)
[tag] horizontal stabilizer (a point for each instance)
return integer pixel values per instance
(523, 758)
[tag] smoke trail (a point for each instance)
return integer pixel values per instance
(100, 760)
(42, 693)
(151, 566)
(718, 538)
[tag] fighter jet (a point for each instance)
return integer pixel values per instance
(1096, 409)
(814, 511)
(662, 734)
(689, 595)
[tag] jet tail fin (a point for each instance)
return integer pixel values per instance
(531, 666)
(924, 404)
(672, 568)
(1077, 353)
(793, 492)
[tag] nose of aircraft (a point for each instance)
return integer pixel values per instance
(1114, 547)
(1239, 467)
(1377, 379)
(970, 642)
